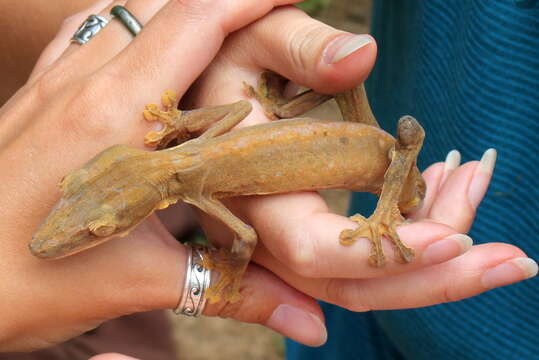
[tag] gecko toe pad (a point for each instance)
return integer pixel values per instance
(374, 228)
(227, 287)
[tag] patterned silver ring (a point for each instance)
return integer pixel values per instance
(197, 280)
(91, 26)
(130, 22)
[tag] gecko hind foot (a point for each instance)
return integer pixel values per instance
(373, 229)
(230, 269)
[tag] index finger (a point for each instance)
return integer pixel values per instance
(183, 35)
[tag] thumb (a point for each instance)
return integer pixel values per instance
(304, 50)
(269, 301)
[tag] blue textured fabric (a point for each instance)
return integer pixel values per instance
(468, 70)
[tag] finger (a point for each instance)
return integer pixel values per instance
(452, 161)
(122, 40)
(147, 279)
(483, 268)
(302, 55)
(305, 50)
(62, 39)
(269, 301)
(183, 35)
(433, 177)
(465, 187)
(304, 236)
(265, 299)
(112, 39)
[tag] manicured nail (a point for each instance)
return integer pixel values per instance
(297, 324)
(343, 46)
(511, 271)
(452, 161)
(447, 248)
(488, 160)
(115, 357)
(481, 178)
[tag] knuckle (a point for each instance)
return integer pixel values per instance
(206, 11)
(73, 21)
(240, 310)
(231, 310)
(446, 295)
(347, 295)
(198, 8)
(303, 40)
(298, 253)
(48, 85)
(89, 97)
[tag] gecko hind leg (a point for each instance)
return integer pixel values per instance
(230, 264)
(387, 216)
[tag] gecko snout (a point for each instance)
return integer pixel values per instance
(37, 249)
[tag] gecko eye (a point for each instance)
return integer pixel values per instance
(101, 228)
(104, 230)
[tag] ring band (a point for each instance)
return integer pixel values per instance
(87, 30)
(197, 281)
(130, 22)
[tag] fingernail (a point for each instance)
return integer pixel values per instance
(343, 46)
(488, 160)
(298, 324)
(481, 178)
(112, 356)
(452, 161)
(511, 271)
(447, 248)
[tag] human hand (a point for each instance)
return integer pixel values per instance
(299, 237)
(78, 101)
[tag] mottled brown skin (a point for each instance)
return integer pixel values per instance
(121, 186)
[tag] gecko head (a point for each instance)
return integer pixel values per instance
(84, 219)
(68, 230)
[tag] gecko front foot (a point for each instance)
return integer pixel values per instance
(373, 229)
(231, 270)
(170, 118)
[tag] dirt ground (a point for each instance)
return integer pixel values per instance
(224, 339)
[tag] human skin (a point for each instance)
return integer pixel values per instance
(299, 240)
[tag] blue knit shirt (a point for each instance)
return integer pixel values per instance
(468, 70)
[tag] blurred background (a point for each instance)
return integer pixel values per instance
(203, 338)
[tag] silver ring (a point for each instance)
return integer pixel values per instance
(130, 22)
(91, 26)
(197, 281)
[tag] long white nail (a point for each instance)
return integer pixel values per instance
(452, 161)
(349, 46)
(508, 272)
(488, 160)
(481, 179)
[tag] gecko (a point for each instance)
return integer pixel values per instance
(122, 185)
